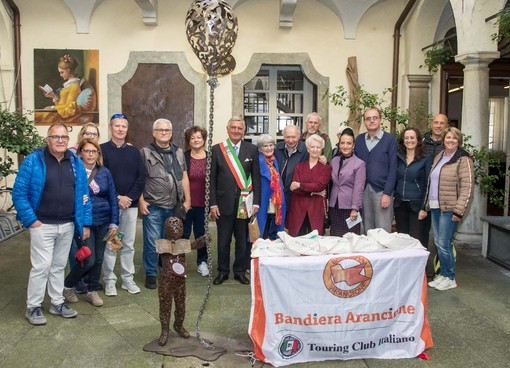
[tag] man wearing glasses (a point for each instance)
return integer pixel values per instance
(166, 186)
(51, 198)
(126, 166)
(379, 151)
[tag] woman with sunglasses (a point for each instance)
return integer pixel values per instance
(105, 219)
(89, 131)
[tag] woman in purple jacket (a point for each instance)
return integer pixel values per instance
(347, 185)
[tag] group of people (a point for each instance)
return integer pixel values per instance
(416, 183)
(90, 192)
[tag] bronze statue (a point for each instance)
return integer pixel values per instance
(172, 278)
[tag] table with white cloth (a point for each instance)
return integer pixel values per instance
(339, 306)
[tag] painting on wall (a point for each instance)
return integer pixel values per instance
(66, 86)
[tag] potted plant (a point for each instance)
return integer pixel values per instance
(362, 100)
(438, 55)
(18, 135)
(503, 25)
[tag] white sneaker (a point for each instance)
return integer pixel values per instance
(131, 287)
(203, 269)
(436, 281)
(110, 289)
(446, 284)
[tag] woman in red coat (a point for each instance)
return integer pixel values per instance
(311, 177)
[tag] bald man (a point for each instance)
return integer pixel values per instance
(432, 140)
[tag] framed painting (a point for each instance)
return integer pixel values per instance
(66, 86)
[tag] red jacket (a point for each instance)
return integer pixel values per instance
(303, 203)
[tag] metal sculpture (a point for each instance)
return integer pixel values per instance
(211, 29)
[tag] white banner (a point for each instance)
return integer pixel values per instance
(348, 306)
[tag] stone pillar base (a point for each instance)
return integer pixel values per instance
(472, 240)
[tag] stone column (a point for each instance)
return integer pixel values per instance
(475, 123)
(419, 85)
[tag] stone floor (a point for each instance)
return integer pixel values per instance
(470, 325)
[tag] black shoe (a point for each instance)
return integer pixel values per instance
(150, 282)
(241, 277)
(220, 278)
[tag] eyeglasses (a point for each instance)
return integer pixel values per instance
(118, 116)
(89, 152)
(163, 131)
(92, 134)
(372, 118)
(57, 138)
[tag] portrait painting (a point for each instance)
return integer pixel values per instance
(66, 86)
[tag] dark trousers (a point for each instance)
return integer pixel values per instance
(226, 226)
(408, 223)
(195, 219)
(92, 265)
(271, 229)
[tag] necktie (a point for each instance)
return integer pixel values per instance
(236, 148)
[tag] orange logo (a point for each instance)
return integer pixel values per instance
(347, 277)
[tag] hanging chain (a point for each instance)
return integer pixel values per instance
(213, 83)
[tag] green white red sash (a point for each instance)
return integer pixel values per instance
(244, 183)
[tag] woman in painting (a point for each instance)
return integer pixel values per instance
(74, 102)
(65, 97)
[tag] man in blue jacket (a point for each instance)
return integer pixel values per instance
(379, 151)
(51, 198)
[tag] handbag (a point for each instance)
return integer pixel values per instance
(253, 229)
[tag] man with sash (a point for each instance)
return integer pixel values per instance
(235, 181)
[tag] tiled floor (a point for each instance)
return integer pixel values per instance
(470, 324)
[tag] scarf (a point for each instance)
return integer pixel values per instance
(169, 158)
(276, 198)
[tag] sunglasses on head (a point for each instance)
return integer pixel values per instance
(118, 116)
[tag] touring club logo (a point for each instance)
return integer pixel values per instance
(347, 277)
(290, 346)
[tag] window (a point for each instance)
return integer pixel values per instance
(276, 97)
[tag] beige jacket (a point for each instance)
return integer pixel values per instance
(456, 183)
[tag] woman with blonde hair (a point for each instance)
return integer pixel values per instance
(449, 193)
(89, 131)
(105, 220)
(64, 99)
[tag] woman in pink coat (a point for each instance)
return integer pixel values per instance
(308, 205)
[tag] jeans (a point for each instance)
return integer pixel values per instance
(127, 225)
(195, 218)
(153, 229)
(374, 216)
(92, 264)
(444, 229)
(49, 249)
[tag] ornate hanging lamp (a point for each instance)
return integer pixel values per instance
(211, 29)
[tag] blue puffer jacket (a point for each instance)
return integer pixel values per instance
(105, 206)
(29, 186)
